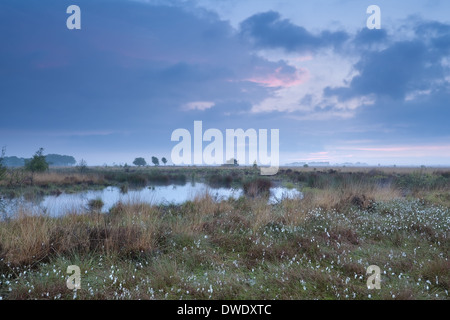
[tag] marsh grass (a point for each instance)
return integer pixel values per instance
(95, 204)
(407, 181)
(317, 247)
(46, 178)
(257, 187)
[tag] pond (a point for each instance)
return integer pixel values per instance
(58, 205)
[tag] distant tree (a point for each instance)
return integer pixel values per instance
(164, 160)
(2, 166)
(255, 165)
(139, 162)
(305, 165)
(155, 161)
(60, 160)
(37, 163)
(13, 161)
(52, 160)
(235, 162)
(82, 166)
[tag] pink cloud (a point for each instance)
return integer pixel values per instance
(316, 156)
(313, 159)
(279, 79)
(303, 58)
(406, 148)
(403, 152)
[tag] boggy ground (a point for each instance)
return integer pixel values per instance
(318, 247)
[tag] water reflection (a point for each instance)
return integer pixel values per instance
(172, 194)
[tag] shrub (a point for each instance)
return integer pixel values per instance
(37, 163)
(2, 166)
(82, 166)
(96, 204)
(257, 187)
(217, 180)
(124, 188)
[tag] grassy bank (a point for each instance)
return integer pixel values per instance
(409, 181)
(318, 247)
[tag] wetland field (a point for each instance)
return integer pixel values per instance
(225, 233)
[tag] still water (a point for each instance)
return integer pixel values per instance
(172, 194)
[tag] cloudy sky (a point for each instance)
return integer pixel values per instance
(138, 70)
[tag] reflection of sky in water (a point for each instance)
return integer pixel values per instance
(279, 193)
(78, 202)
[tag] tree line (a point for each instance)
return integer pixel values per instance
(51, 159)
(141, 161)
(41, 163)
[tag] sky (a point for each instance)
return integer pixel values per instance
(136, 71)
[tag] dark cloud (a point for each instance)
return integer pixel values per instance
(402, 67)
(120, 82)
(423, 119)
(268, 30)
(436, 35)
(432, 29)
(393, 71)
(407, 80)
(368, 37)
(129, 62)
